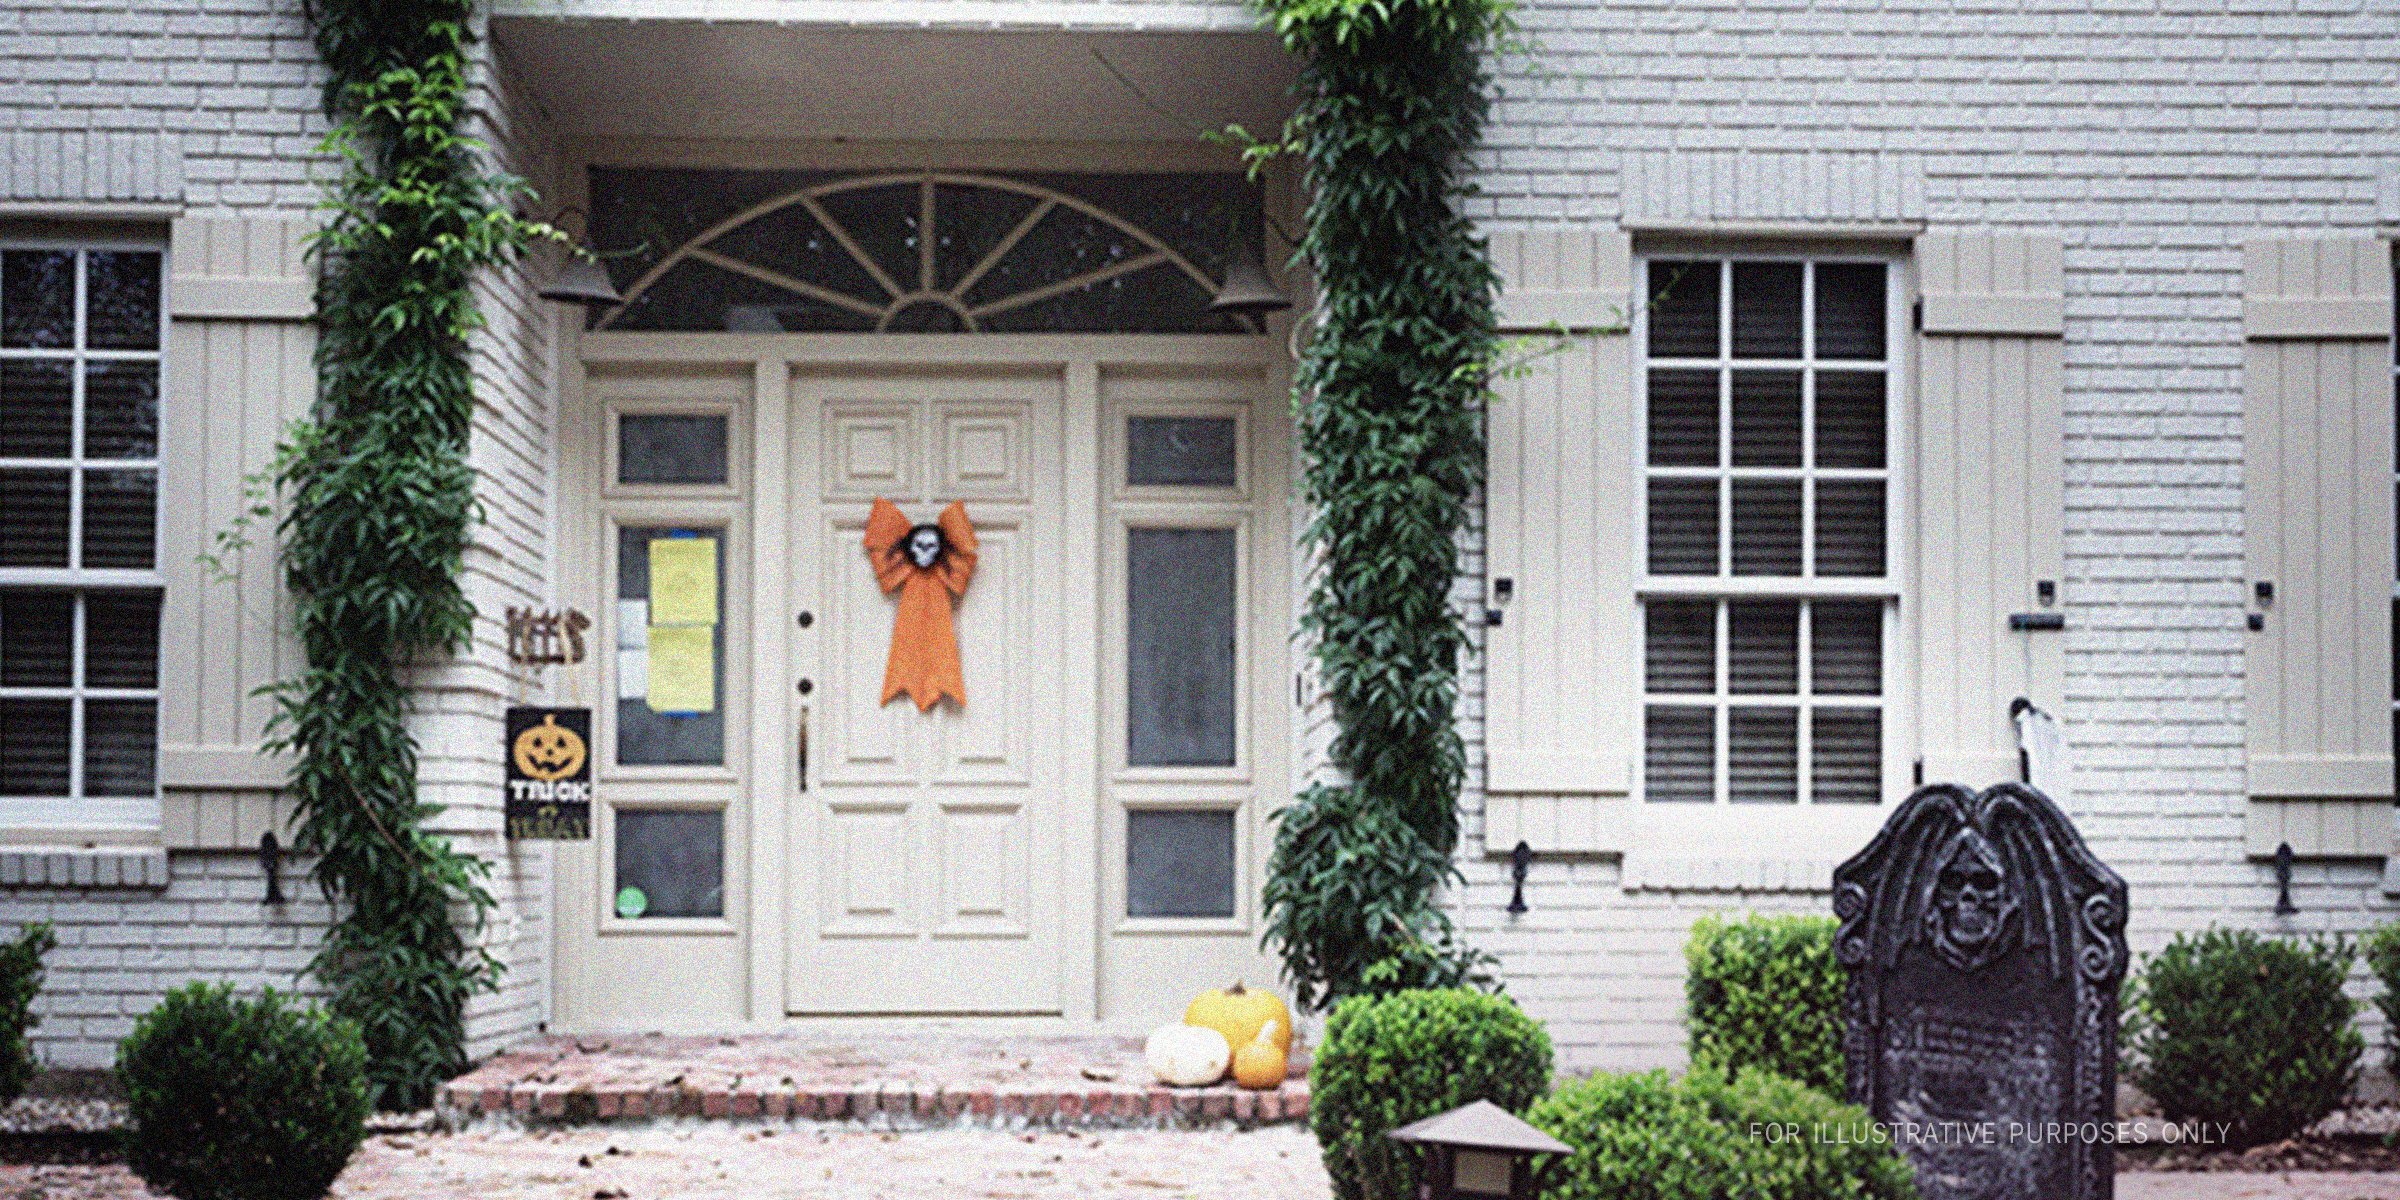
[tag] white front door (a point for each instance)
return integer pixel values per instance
(925, 847)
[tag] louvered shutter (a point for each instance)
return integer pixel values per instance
(1990, 497)
(239, 368)
(2318, 530)
(1560, 667)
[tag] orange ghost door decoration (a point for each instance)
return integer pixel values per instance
(928, 565)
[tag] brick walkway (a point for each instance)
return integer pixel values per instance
(886, 1082)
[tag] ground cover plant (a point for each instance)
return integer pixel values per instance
(242, 1099)
(2253, 1032)
(1392, 1059)
(1765, 992)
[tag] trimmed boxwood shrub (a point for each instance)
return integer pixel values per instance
(1765, 992)
(2228, 1026)
(20, 980)
(232, 1099)
(2382, 949)
(1756, 1135)
(1390, 1060)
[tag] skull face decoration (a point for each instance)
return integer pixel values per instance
(1973, 905)
(929, 566)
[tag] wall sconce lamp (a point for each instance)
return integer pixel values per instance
(580, 279)
(1248, 291)
(1480, 1152)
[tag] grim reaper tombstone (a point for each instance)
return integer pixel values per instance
(1984, 945)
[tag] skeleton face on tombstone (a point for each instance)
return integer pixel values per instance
(1968, 919)
(924, 546)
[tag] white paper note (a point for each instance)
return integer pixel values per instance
(633, 673)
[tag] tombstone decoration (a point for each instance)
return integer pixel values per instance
(1984, 945)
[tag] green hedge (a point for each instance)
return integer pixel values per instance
(232, 1099)
(2382, 951)
(20, 981)
(2254, 1032)
(1756, 1136)
(1390, 1060)
(1765, 992)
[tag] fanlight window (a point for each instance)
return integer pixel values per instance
(918, 251)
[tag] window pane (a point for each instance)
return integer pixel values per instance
(1766, 647)
(1681, 650)
(671, 448)
(1846, 762)
(120, 410)
(1850, 527)
(1679, 755)
(120, 518)
(33, 518)
(1683, 418)
(121, 288)
(1763, 764)
(1683, 309)
(37, 299)
(1180, 452)
(1766, 310)
(645, 736)
(33, 747)
(670, 863)
(1766, 418)
(883, 222)
(120, 640)
(1845, 648)
(1179, 632)
(1683, 527)
(37, 409)
(1850, 310)
(120, 747)
(1766, 527)
(1850, 420)
(1179, 864)
(37, 639)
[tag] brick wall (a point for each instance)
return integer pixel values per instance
(2154, 137)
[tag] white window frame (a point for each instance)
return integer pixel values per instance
(1804, 829)
(75, 811)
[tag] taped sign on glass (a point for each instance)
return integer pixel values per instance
(548, 792)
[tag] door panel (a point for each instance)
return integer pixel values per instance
(929, 842)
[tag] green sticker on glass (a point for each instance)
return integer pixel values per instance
(632, 902)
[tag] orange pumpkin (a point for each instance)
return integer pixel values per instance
(1262, 1063)
(1239, 1013)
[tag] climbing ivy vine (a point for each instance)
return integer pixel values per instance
(1392, 98)
(380, 509)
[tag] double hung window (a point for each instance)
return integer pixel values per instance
(80, 330)
(1770, 592)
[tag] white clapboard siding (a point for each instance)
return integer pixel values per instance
(239, 370)
(2317, 516)
(1560, 685)
(1990, 495)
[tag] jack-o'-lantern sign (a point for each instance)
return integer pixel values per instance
(929, 565)
(549, 751)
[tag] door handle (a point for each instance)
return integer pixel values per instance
(802, 777)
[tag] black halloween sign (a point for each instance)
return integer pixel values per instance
(549, 786)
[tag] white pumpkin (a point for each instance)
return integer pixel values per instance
(1187, 1055)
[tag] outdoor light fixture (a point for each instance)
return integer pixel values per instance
(580, 278)
(1480, 1152)
(1247, 291)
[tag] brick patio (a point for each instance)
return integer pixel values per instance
(884, 1082)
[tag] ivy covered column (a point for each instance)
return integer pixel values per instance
(1393, 96)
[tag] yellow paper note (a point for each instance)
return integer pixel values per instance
(683, 669)
(683, 581)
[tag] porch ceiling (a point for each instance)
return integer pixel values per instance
(750, 79)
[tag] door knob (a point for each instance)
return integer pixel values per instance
(807, 686)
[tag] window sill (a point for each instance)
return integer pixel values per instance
(118, 867)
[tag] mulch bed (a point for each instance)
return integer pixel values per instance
(2308, 1152)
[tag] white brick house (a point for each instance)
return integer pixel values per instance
(1955, 314)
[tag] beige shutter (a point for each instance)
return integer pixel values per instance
(2317, 510)
(1990, 497)
(1560, 683)
(238, 370)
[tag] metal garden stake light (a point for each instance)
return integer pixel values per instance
(1480, 1152)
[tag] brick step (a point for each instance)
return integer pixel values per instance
(468, 1104)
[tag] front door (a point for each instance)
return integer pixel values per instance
(925, 847)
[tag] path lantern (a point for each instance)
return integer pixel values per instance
(1480, 1152)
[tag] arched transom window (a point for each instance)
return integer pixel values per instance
(918, 251)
